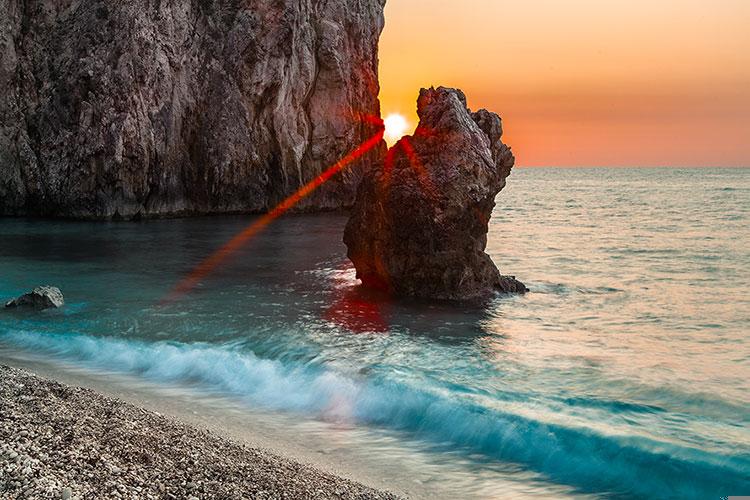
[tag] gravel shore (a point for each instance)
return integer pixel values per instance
(58, 441)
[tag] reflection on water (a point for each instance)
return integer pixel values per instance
(624, 372)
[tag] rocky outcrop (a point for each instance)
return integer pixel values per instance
(42, 297)
(419, 224)
(122, 109)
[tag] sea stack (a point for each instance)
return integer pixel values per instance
(419, 224)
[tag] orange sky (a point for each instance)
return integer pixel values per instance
(584, 82)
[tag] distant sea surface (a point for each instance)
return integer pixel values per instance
(624, 373)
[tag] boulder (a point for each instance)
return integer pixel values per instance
(123, 109)
(41, 297)
(419, 224)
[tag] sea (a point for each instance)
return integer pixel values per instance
(624, 373)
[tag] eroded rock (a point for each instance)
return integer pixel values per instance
(41, 297)
(419, 224)
(115, 109)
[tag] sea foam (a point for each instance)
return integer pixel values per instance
(573, 455)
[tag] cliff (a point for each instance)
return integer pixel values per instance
(151, 108)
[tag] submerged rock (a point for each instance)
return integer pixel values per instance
(42, 297)
(113, 109)
(419, 224)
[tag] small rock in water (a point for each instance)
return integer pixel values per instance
(41, 297)
(66, 494)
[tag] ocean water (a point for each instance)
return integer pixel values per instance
(623, 374)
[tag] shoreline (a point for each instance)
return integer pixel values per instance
(54, 436)
(176, 216)
(377, 459)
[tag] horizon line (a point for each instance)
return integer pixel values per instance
(634, 166)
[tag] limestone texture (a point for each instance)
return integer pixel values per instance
(112, 109)
(419, 225)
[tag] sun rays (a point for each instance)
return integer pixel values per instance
(219, 256)
(396, 127)
(393, 127)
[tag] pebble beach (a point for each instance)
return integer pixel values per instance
(59, 441)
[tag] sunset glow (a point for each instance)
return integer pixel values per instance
(584, 82)
(396, 127)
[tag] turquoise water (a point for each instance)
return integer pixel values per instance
(624, 373)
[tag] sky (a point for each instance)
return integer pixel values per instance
(584, 82)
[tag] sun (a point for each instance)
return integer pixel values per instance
(395, 127)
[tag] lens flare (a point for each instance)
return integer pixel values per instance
(212, 262)
(395, 127)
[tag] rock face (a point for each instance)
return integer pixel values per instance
(419, 224)
(42, 297)
(140, 108)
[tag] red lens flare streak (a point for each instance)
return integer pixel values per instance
(358, 310)
(388, 164)
(212, 262)
(416, 164)
(361, 311)
(405, 145)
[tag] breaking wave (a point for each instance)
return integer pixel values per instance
(588, 460)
